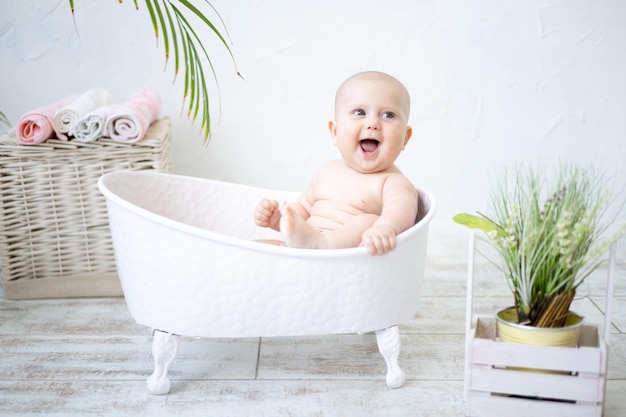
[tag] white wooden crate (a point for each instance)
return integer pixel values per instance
(493, 388)
(514, 380)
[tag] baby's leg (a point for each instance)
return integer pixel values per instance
(271, 242)
(298, 233)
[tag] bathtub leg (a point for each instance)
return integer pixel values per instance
(389, 346)
(164, 349)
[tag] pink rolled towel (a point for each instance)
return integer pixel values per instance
(37, 126)
(130, 121)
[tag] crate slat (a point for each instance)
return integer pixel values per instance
(582, 359)
(534, 384)
(497, 406)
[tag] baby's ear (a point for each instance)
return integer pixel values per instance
(407, 137)
(332, 128)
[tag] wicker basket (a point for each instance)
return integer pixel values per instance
(54, 229)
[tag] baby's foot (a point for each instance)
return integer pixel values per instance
(297, 232)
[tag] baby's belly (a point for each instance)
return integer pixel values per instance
(327, 215)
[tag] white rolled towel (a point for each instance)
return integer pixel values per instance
(66, 119)
(130, 121)
(92, 126)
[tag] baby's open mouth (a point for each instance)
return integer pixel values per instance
(369, 145)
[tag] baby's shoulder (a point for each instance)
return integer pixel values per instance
(395, 174)
(397, 180)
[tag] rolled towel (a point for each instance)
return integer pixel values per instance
(130, 121)
(37, 126)
(66, 119)
(92, 125)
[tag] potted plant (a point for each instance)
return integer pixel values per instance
(549, 229)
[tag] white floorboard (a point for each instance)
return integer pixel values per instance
(86, 357)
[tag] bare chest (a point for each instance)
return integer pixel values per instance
(351, 192)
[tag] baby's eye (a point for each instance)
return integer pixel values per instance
(388, 115)
(358, 112)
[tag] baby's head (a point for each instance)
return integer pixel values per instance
(371, 121)
(382, 81)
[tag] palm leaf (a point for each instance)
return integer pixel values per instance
(192, 76)
(174, 42)
(155, 26)
(166, 40)
(202, 17)
(4, 120)
(179, 33)
(187, 55)
(196, 75)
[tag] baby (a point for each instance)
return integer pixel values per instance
(362, 199)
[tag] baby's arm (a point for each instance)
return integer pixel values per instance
(398, 214)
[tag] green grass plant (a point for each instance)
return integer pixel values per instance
(549, 228)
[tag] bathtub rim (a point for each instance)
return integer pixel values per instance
(240, 242)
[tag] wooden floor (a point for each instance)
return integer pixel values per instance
(75, 357)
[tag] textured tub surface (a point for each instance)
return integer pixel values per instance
(189, 265)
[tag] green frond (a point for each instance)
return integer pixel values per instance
(187, 60)
(74, 18)
(164, 27)
(192, 81)
(209, 24)
(174, 42)
(219, 16)
(153, 19)
(179, 34)
(4, 120)
(195, 78)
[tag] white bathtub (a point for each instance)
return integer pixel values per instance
(189, 265)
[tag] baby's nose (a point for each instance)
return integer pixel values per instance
(373, 125)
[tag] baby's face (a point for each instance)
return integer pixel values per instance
(370, 127)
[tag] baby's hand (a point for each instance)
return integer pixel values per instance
(267, 214)
(379, 239)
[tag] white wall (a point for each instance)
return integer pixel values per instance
(492, 82)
